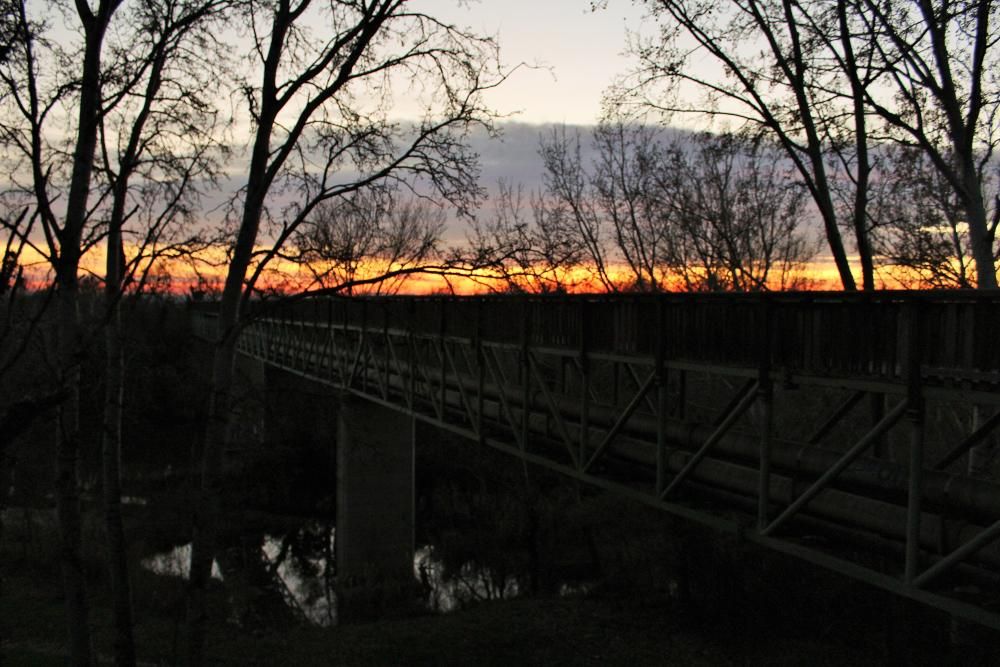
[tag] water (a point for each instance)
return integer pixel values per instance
(176, 563)
(307, 590)
(301, 570)
(469, 585)
(302, 577)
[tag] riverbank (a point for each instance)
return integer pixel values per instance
(541, 631)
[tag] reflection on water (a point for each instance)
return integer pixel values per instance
(298, 565)
(470, 584)
(305, 583)
(176, 563)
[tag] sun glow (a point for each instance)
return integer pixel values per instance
(203, 274)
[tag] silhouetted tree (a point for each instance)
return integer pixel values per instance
(31, 97)
(757, 66)
(921, 235)
(364, 235)
(937, 92)
(701, 212)
(139, 133)
(568, 197)
(158, 143)
(829, 80)
(736, 215)
(321, 130)
(536, 254)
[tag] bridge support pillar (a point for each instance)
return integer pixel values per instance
(375, 507)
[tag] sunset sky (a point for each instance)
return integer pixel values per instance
(565, 53)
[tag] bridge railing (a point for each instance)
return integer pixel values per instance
(950, 335)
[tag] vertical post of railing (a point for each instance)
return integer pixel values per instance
(615, 374)
(525, 371)
(386, 355)
(480, 374)
(661, 400)
(680, 412)
(363, 354)
(442, 349)
(412, 343)
(980, 454)
(765, 394)
(915, 414)
(584, 383)
(329, 334)
(345, 375)
(687, 332)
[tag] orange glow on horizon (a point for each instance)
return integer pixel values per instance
(206, 273)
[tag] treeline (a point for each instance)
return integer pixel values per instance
(669, 210)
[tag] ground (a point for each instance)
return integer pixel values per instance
(542, 631)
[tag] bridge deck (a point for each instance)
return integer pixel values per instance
(739, 411)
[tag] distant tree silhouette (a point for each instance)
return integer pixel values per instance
(920, 233)
(364, 234)
(736, 215)
(536, 254)
(698, 212)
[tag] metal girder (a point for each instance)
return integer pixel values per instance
(987, 536)
(850, 456)
(974, 439)
(622, 420)
(835, 417)
(508, 386)
(553, 409)
(749, 395)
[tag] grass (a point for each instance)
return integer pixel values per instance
(609, 627)
(541, 631)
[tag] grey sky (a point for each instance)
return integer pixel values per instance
(578, 51)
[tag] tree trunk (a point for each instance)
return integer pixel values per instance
(979, 236)
(70, 339)
(208, 505)
(67, 482)
(121, 590)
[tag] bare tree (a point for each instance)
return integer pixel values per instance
(830, 80)
(921, 235)
(736, 215)
(157, 143)
(938, 93)
(32, 95)
(141, 141)
(569, 198)
(624, 186)
(762, 67)
(321, 129)
(20, 319)
(536, 254)
(700, 212)
(364, 235)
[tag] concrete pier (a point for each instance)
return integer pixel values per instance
(375, 501)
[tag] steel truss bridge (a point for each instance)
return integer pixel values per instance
(837, 428)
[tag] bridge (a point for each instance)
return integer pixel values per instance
(854, 431)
